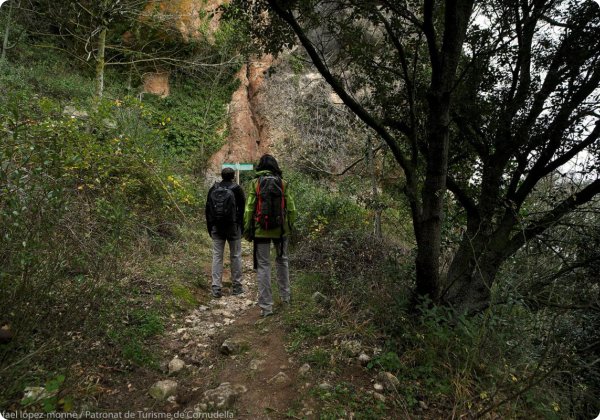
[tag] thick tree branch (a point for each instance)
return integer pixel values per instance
(339, 89)
(539, 226)
(465, 200)
(566, 157)
(409, 88)
(554, 136)
(348, 168)
(471, 134)
(430, 34)
(396, 124)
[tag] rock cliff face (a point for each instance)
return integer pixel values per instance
(186, 17)
(157, 83)
(248, 137)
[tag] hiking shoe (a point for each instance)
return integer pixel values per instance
(217, 293)
(264, 312)
(238, 291)
(286, 301)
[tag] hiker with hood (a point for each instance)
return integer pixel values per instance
(269, 216)
(224, 220)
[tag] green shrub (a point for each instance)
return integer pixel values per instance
(86, 196)
(318, 357)
(139, 325)
(75, 197)
(184, 295)
(346, 398)
(190, 119)
(321, 209)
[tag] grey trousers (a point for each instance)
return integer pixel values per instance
(235, 258)
(263, 273)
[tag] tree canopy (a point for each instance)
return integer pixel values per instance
(479, 102)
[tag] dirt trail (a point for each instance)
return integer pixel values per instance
(196, 341)
(237, 318)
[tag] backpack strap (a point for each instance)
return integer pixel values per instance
(233, 187)
(283, 206)
(253, 225)
(259, 204)
(255, 259)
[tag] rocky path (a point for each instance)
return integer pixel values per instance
(223, 359)
(228, 359)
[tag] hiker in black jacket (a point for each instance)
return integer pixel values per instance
(224, 220)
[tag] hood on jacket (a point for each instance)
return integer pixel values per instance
(265, 172)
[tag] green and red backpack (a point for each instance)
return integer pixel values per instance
(271, 206)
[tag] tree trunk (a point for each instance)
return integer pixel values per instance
(444, 63)
(468, 283)
(6, 32)
(129, 82)
(377, 226)
(472, 288)
(481, 253)
(100, 63)
(429, 239)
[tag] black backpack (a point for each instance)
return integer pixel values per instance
(222, 209)
(271, 207)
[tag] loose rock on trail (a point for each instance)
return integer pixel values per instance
(222, 356)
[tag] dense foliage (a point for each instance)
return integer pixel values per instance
(479, 102)
(522, 357)
(93, 192)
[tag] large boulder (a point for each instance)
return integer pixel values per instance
(389, 381)
(222, 397)
(163, 389)
(176, 365)
(249, 136)
(234, 346)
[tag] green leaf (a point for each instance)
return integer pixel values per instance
(67, 404)
(52, 385)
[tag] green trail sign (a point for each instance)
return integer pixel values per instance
(237, 167)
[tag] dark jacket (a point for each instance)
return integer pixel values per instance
(240, 202)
